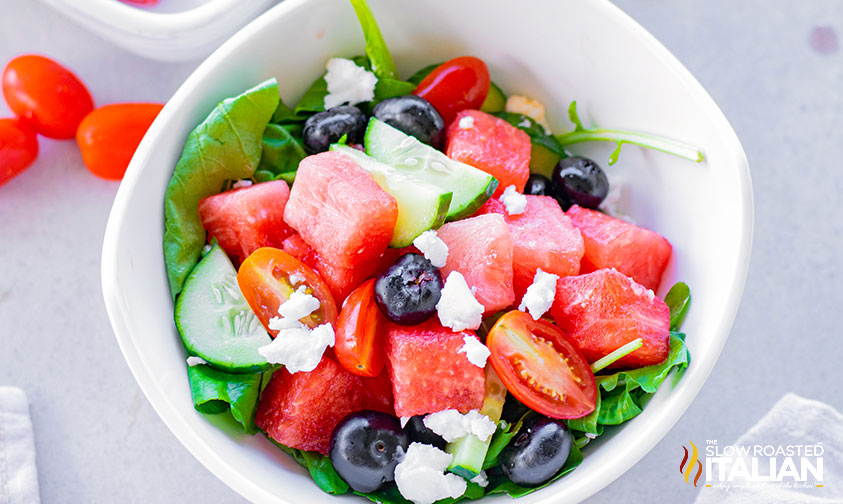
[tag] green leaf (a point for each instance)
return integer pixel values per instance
(314, 98)
(282, 150)
(226, 145)
(650, 377)
(500, 439)
(419, 76)
(678, 299)
(390, 88)
(499, 484)
(285, 115)
(376, 50)
(589, 422)
(618, 406)
(320, 468)
(215, 392)
(616, 355)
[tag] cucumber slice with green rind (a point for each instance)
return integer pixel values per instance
(421, 205)
(214, 319)
(495, 100)
(471, 187)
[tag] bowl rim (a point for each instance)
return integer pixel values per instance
(674, 407)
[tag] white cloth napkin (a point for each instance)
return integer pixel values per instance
(793, 420)
(18, 472)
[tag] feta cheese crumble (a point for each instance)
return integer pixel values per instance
(299, 305)
(457, 308)
(348, 83)
(299, 348)
(453, 425)
(295, 279)
(421, 476)
(195, 361)
(433, 248)
(404, 420)
(481, 479)
(466, 122)
(533, 109)
(476, 352)
(514, 201)
(241, 183)
(540, 294)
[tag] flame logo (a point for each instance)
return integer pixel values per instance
(687, 470)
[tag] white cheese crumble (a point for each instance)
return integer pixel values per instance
(348, 83)
(241, 183)
(453, 425)
(404, 420)
(466, 122)
(540, 294)
(433, 248)
(299, 305)
(481, 479)
(295, 279)
(457, 308)
(421, 476)
(533, 109)
(514, 201)
(476, 352)
(299, 348)
(195, 361)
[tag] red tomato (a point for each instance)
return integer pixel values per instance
(459, 84)
(264, 279)
(540, 367)
(109, 136)
(359, 345)
(18, 148)
(46, 95)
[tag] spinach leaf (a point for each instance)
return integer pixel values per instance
(320, 468)
(313, 100)
(226, 145)
(390, 88)
(498, 483)
(285, 115)
(589, 422)
(215, 392)
(649, 378)
(282, 152)
(500, 439)
(677, 299)
(618, 405)
(376, 50)
(419, 76)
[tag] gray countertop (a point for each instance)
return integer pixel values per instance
(773, 66)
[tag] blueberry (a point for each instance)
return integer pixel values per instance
(365, 448)
(325, 128)
(407, 292)
(538, 185)
(418, 432)
(414, 116)
(579, 181)
(538, 451)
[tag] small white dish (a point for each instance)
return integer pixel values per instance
(552, 50)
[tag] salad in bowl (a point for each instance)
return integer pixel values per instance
(412, 286)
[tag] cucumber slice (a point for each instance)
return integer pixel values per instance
(214, 319)
(543, 160)
(421, 205)
(471, 187)
(495, 101)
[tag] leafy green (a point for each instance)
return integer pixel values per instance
(678, 299)
(498, 483)
(226, 145)
(379, 56)
(282, 152)
(285, 115)
(320, 468)
(616, 355)
(390, 88)
(500, 439)
(314, 98)
(620, 137)
(391, 495)
(419, 76)
(215, 392)
(537, 133)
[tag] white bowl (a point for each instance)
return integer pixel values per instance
(552, 50)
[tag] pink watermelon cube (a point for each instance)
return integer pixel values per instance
(246, 219)
(542, 237)
(427, 372)
(614, 243)
(492, 145)
(604, 310)
(480, 248)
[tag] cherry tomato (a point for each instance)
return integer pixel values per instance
(359, 345)
(109, 136)
(540, 367)
(46, 95)
(459, 84)
(264, 279)
(18, 148)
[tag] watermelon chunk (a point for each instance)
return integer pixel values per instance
(604, 310)
(344, 216)
(492, 145)
(246, 219)
(427, 372)
(300, 410)
(614, 243)
(542, 237)
(480, 248)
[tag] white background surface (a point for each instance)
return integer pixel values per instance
(99, 441)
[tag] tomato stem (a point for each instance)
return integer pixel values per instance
(621, 352)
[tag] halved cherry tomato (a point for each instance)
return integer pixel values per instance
(264, 279)
(540, 367)
(109, 136)
(459, 84)
(18, 148)
(359, 332)
(48, 96)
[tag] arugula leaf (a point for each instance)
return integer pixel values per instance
(320, 468)
(498, 483)
(538, 136)
(226, 145)
(376, 50)
(216, 392)
(282, 152)
(678, 299)
(620, 137)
